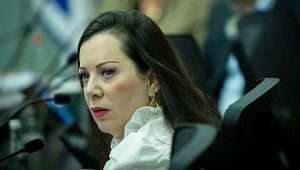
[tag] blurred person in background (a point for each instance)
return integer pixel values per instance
(172, 16)
(136, 90)
(225, 78)
(226, 81)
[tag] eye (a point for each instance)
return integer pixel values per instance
(83, 76)
(108, 73)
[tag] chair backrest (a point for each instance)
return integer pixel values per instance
(190, 54)
(249, 130)
(269, 47)
(270, 42)
(189, 142)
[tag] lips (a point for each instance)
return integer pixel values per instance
(99, 112)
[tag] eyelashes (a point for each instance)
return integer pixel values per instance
(83, 76)
(105, 74)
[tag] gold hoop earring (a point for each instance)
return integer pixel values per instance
(153, 102)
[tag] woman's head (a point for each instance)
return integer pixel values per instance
(136, 39)
(113, 87)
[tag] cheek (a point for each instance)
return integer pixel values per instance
(121, 88)
(129, 92)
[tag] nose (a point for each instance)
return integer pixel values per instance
(93, 88)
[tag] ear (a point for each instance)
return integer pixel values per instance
(153, 83)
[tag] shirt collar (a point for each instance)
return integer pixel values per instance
(139, 118)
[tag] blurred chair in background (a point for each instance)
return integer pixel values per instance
(251, 136)
(190, 54)
(250, 131)
(268, 45)
(221, 71)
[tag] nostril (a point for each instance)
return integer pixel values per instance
(93, 88)
(95, 96)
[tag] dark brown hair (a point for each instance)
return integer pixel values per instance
(144, 42)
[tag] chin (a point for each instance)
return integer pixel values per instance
(104, 128)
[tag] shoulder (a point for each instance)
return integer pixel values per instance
(147, 148)
(157, 132)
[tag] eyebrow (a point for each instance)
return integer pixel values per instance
(99, 65)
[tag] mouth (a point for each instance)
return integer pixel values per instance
(99, 112)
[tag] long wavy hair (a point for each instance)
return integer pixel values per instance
(146, 45)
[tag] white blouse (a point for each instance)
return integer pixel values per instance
(146, 144)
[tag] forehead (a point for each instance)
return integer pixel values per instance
(101, 47)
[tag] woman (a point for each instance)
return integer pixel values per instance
(136, 90)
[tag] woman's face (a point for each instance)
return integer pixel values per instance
(113, 88)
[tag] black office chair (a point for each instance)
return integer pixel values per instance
(189, 142)
(249, 133)
(268, 46)
(190, 54)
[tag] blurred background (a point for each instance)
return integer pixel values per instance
(225, 44)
